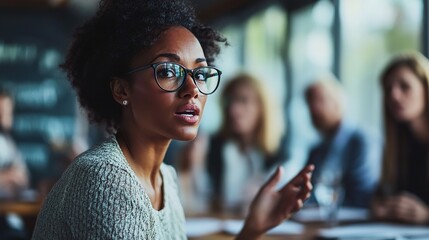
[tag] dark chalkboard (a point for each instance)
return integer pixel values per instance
(32, 45)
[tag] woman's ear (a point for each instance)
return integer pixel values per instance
(120, 90)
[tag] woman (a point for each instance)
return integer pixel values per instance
(143, 68)
(248, 144)
(403, 193)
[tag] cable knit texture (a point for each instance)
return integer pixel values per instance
(100, 197)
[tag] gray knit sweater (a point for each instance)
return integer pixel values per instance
(100, 197)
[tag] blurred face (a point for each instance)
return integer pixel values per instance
(244, 110)
(6, 113)
(155, 112)
(405, 95)
(324, 110)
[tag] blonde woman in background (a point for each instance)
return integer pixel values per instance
(248, 144)
(403, 194)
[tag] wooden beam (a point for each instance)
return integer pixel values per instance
(223, 8)
(293, 5)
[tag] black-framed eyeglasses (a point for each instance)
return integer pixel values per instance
(171, 76)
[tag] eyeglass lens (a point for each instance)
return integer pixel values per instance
(170, 77)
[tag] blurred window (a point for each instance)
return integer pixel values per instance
(371, 32)
(310, 54)
(256, 47)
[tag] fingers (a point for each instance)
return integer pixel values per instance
(403, 214)
(303, 175)
(274, 179)
(401, 202)
(405, 208)
(298, 205)
(306, 191)
(410, 198)
(301, 182)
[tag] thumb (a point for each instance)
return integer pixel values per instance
(275, 178)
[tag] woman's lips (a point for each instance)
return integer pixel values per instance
(188, 113)
(190, 119)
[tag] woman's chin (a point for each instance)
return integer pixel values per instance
(187, 135)
(186, 138)
(401, 117)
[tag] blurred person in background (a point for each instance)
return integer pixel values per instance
(249, 143)
(345, 156)
(403, 194)
(13, 171)
(192, 176)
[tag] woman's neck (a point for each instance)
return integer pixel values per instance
(145, 154)
(246, 141)
(420, 128)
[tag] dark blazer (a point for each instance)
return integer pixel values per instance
(352, 153)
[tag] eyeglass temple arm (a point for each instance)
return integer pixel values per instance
(139, 69)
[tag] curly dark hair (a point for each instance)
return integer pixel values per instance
(103, 47)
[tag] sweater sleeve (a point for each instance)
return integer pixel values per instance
(103, 203)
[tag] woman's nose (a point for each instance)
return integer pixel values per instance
(189, 90)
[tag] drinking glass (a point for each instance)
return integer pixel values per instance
(329, 195)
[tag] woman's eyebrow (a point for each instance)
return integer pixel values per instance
(176, 57)
(168, 55)
(199, 60)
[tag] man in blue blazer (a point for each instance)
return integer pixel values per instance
(346, 156)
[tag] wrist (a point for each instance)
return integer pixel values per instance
(248, 233)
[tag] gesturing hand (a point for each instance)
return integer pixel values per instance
(270, 206)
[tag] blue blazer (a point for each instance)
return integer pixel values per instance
(355, 156)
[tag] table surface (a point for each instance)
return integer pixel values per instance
(29, 211)
(310, 232)
(22, 208)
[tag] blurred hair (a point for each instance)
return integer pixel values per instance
(395, 150)
(271, 127)
(103, 47)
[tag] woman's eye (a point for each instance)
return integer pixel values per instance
(404, 86)
(166, 73)
(200, 76)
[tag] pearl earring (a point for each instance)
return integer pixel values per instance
(125, 102)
